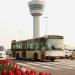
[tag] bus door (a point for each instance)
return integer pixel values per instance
(24, 54)
(43, 53)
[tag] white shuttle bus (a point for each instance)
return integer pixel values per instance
(42, 48)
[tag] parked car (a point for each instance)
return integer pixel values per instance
(2, 53)
(72, 56)
(68, 53)
(8, 52)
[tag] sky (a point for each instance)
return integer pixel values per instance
(16, 23)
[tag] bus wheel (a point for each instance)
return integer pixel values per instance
(35, 56)
(52, 58)
(17, 56)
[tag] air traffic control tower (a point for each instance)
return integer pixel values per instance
(36, 9)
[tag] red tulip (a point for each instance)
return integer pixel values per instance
(22, 72)
(32, 72)
(27, 72)
(3, 72)
(11, 72)
(18, 72)
(16, 68)
(42, 73)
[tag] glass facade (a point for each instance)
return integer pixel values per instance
(36, 7)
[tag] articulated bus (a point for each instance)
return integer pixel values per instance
(42, 48)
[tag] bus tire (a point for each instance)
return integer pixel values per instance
(35, 56)
(52, 58)
(17, 56)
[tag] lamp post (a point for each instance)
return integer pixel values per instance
(46, 25)
(45, 17)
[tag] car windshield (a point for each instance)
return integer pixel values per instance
(74, 50)
(1, 48)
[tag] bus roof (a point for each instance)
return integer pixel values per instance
(43, 37)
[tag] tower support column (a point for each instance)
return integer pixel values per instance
(36, 26)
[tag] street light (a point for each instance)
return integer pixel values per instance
(46, 25)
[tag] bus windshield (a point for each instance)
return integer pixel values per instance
(54, 44)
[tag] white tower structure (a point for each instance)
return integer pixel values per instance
(36, 9)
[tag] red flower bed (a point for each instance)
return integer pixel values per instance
(9, 67)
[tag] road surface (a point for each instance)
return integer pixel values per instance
(59, 67)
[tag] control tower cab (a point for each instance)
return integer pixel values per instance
(36, 9)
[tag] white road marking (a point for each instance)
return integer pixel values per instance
(33, 67)
(48, 65)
